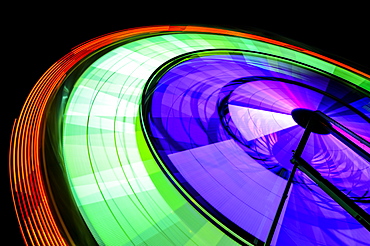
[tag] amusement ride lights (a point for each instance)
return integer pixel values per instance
(94, 117)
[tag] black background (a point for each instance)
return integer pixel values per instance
(34, 37)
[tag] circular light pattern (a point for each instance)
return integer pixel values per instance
(224, 137)
(183, 135)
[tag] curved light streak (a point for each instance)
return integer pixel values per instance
(102, 133)
(253, 110)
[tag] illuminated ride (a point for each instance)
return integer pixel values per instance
(187, 135)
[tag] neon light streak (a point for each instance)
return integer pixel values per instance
(115, 179)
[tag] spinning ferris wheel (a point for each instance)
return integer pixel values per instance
(186, 135)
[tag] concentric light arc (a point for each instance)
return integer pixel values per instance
(100, 121)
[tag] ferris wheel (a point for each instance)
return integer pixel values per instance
(188, 135)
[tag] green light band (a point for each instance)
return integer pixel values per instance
(123, 195)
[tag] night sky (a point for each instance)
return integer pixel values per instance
(35, 40)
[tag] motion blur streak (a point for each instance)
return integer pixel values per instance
(37, 217)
